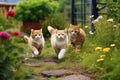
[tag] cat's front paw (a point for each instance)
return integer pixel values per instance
(77, 50)
(61, 54)
(36, 52)
(60, 57)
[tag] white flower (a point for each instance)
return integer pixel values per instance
(94, 21)
(100, 17)
(115, 26)
(91, 16)
(90, 32)
(26, 58)
(86, 26)
(110, 20)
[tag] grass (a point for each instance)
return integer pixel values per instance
(73, 61)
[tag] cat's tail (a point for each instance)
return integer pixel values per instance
(26, 38)
(51, 30)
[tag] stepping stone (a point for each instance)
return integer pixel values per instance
(56, 73)
(33, 65)
(74, 77)
(48, 60)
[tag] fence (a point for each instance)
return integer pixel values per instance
(81, 10)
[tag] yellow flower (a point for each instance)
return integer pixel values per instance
(98, 49)
(106, 50)
(102, 56)
(112, 45)
(100, 59)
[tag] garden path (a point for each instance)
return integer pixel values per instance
(59, 74)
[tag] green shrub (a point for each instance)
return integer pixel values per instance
(105, 61)
(10, 62)
(107, 32)
(56, 20)
(113, 10)
(35, 10)
(3, 25)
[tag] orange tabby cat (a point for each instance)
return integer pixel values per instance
(77, 36)
(59, 41)
(35, 42)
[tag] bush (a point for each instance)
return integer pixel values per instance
(9, 60)
(107, 32)
(104, 59)
(3, 25)
(55, 20)
(113, 10)
(35, 10)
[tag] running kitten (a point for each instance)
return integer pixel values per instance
(59, 41)
(77, 36)
(35, 42)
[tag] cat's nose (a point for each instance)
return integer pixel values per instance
(38, 37)
(72, 33)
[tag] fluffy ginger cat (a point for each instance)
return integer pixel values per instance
(77, 36)
(35, 42)
(59, 41)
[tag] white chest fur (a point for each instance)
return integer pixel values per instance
(38, 42)
(55, 42)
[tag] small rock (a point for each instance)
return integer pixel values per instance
(75, 77)
(56, 73)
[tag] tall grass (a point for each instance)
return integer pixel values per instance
(101, 51)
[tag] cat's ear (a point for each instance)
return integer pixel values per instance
(70, 25)
(78, 25)
(41, 29)
(65, 30)
(55, 30)
(32, 30)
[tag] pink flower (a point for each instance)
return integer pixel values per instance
(16, 33)
(4, 35)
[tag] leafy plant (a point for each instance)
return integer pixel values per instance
(3, 25)
(107, 32)
(55, 20)
(9, 60)
(35, 10)
(113, 10)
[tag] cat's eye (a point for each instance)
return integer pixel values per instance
(62, 34)
(72, 31)
(58, 34)
(75, 31)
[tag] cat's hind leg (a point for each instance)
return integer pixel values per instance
(40, 50)
(77, 49)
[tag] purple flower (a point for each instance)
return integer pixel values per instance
(4, 35)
